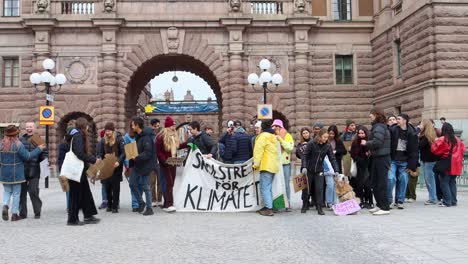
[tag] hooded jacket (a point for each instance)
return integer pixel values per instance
(32, 167)
(243, 146)
(205, 143)
(144, 163)
(442, 148)
(314, 156)
(266, 152)
(12, 162)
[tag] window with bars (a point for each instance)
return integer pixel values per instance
(10, 72)
(11, 7)
(342, 10)
(344, 69)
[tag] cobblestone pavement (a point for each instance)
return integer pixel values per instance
(417, 234)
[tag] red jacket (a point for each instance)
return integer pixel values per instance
(161, 153)
(442, 148)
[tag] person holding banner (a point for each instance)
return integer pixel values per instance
(266, 160)
(167, 143)
(313, 166)
(80, 193)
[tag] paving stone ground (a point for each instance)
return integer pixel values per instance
(417, 234)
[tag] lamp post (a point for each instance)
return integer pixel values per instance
(49, 82)
(265, 78)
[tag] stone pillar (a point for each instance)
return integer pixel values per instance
(236, 88)
(302, 90)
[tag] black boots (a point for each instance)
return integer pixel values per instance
(305, 207)
(320, 211)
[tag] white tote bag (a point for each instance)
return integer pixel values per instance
(353, 170)
(72, 167)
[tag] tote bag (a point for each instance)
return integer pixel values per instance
(353, 170)
(72, 167)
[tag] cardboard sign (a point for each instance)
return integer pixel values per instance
(131, 150)
(300, 182)
(37, 140)
(104, 169)
(347, 207)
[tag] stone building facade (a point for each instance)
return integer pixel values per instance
(339, 58)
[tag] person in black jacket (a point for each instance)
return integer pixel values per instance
(360, 155)
(244, 149)
(205, 143)
(143, 164)
(112, 143)
(337, 145)
(80, 194)
(379, 147)
(405, 156)
(312, 166)
(32, 173)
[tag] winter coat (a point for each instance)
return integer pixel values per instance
(379, 140)
(63, 148)
(12, 162)
(266, 155)
(359, 155)
(314, 156)
(32, 168)
(230, 146)
(348, 136)
(161, 153)
(119, 153)
(442, 148)
(287, 146)
(78, 148)
(144, 163)
(425, 150)
(300, 148)
(244, 149)
(205, 143)
(412, 145)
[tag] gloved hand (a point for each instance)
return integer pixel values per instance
(304, 171)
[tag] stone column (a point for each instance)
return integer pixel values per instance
(236, 88)
(302, 90)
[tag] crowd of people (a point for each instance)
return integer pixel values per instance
(380, 162)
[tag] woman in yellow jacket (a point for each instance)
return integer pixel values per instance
(266, 160)
(287, 146)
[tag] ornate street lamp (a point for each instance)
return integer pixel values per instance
(50, 82)
(265, 78)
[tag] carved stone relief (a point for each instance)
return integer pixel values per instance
(79, 70)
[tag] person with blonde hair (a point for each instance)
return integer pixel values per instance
(427, 137)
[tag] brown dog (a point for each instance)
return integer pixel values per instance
(343, 189)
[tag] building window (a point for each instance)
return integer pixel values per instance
(344, 69)
(398, 57)
(342, 9)
(10, 72)
(10, 7)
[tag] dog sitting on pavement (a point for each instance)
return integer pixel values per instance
(343, 189)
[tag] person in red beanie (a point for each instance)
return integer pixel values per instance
(167, 143)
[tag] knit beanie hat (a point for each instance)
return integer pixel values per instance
(169, 122)
(258, 124)
(109, 126)
(318, 124)
(349, 122)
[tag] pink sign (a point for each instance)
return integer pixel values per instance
(346, 208)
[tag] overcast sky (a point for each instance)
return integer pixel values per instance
(187, 81)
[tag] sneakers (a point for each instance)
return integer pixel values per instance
(37, 216)
(154, 204)
(373, 210)
(381, 212)
(103, 205)
(266, 212)
(443, 205)
(429, 202)
(115, 211)
(76, 223)
(91, 220)
(400, 206)
(149, 211)
(135, 210)
(5, 213)
(15, 217)
(108, 209)
(170, 209)
(141, 208)
(410, 200)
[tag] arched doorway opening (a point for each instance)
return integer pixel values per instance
(92, 131)
(164, 63)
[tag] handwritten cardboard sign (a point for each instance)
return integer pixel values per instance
(300, 182)
(37, 140)
(131, 150)
(347, 207)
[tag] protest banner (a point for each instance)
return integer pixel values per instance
(346, 207)
(207, 185)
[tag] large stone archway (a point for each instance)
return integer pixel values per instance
(151, 57)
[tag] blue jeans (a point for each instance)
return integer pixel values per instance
(67, 194)
(287, 180)
(400, 168)
(448, 185)
(330, 189)
(429, 178)
(145, 184)
(10, 190)
(134, 199)
(103, 193)
(266, 183)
